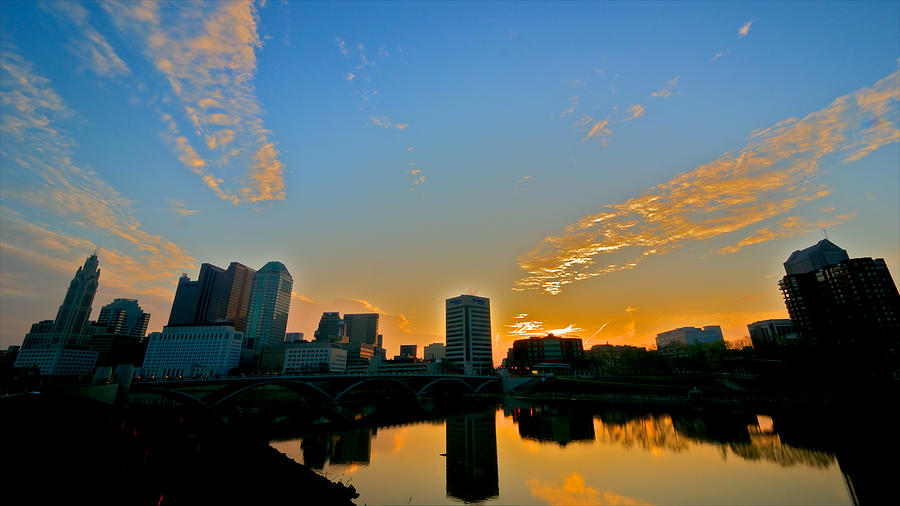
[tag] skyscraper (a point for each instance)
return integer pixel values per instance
(270, 301)
(218, 296)
(362, 328)
(184, 306)
(331, 328)
(469, 334)
(124, 317)
(847, 302)
(75, 310)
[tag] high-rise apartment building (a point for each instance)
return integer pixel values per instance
(331, 328)
(184, 306)
(469, 334)
(270, 301)
(847, 302)
(124, 317)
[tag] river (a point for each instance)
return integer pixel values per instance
(528, 452)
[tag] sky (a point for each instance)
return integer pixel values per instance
(606, 170)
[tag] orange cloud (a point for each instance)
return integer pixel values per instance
(386, 123)
(744, 30)
(207, 54)
(86, 43)
(574, 492)
(772, 174)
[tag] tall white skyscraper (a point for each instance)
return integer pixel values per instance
(469, 334)
(270, 301)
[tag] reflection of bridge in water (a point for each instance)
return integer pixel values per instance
(326, 388)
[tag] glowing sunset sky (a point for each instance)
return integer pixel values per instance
(610, 169)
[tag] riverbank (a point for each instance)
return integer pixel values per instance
(63, 450)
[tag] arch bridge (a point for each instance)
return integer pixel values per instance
(325, 388)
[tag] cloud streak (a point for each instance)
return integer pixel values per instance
(383, 122)
(86, 43)
(666, 91)
(54, 188)
(744, 30)
(206, 52)
(775, 172)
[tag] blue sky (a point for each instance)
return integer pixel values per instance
(396, 154)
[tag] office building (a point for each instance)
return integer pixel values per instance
(124, 317)
(767, 334)
(408, 351)
(270, 301)
(852, 301)
(73, 314)
(690, 335)
(362, 328)
(314, 357)
(468, 321)
(192, 351)
(293, 337)
(359, 355)
(59, 348)
(331, 328)
(59, 360)
(218, 296)
(184, 306)
(536, 352)
(435, 351)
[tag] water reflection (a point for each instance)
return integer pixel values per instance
(559, 424)
(472, 457)
(346, 447)
(565, 452)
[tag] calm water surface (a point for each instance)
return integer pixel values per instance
(537, 453)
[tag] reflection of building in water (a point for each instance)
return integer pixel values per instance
(648, 432)
(551, 423)
(348, 447)
(472, 457)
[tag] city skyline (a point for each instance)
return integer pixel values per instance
(599, 196)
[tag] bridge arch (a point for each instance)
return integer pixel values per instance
(287, 383)
(171, 394)
(373, 379)
(434, 382)
(486, 383)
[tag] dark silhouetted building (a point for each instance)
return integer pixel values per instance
(331, 328)
(472, 457)
(849, 302)
(538, 351)
(124, 317)
(468, 320)
(769, 334)
(218, 296)
(362, 328)
(690, 335)
(408, 351)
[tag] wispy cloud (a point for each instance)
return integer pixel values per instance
(386, 123)
(775, 172)
(573, 103)
(666, 91)
(720, 54)
(73, 196)
(744, 30)
(599, 128)
(534, 327)
(787, 227)
(206, 52)
(87, 44)
(179, 207)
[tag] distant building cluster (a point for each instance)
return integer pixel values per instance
(234, 320)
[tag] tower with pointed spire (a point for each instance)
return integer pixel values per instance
(73, 314)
